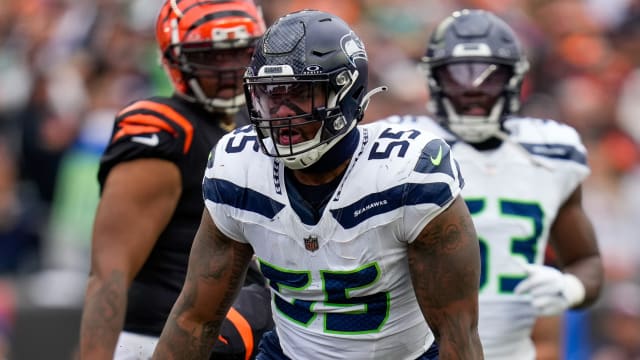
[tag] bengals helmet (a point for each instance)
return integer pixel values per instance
(475, 66)
(205, 47)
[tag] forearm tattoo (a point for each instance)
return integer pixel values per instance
(104, 313)
(445, 266)
(214, 258)
(446, 258)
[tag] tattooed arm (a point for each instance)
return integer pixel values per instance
(445, 268)
(217, 267)
(121, 243)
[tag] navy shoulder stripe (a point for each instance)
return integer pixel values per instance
(460, 177)
(557, 151)
(392, 199)
(228, 193)
(435, 157)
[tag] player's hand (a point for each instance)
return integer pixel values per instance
(551, 291)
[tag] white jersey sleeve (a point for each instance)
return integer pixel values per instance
(557, 144)
(437, 168)
(226, 197)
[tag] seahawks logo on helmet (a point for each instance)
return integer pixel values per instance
(353, 48)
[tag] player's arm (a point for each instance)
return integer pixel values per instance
(547, 334)
(444, 261)
(547, 337)
(217, 267)
(138, 199)
(575, 243)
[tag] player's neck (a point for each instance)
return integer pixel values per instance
(227, 121)
(320, 178)
(489, 144)
(325, 170)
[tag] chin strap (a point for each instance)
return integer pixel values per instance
(367, 98)
(209, 104)
(483, 125)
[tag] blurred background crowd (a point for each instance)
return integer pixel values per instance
(66, 67)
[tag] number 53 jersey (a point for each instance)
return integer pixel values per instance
(341, 287)
(513, 194)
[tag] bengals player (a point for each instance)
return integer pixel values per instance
(151, 186)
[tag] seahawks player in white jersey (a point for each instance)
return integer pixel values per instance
(359, 230)
(523, 179)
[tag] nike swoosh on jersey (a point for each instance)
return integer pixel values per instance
(152, 140)
(438, 157)
(143, 118)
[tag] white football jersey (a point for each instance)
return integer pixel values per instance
(341, 287)
(513, 194)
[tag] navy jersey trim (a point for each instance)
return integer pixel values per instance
(435, 157)
(227, 193)
(557, 151)
(389, 200)
(460, 178)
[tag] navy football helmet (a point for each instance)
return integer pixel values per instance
(313, 65)
(474, 65)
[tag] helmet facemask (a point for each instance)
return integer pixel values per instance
(306, 87)
(205, 48)
(298, 118)
(474, 65)
(473, 97)
(212, 71)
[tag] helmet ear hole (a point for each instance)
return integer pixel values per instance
(360, 109)
(358, 93)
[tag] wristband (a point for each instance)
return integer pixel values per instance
(574, 290)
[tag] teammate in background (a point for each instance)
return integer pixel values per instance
(359, 230)
(151, 186)
(523, 181)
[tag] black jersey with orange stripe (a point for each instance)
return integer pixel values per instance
(248, 319)
(174, 129)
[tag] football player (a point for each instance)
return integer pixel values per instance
(359, 229)
(151, 186)
(523, 181)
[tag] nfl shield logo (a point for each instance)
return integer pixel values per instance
(311, 243)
